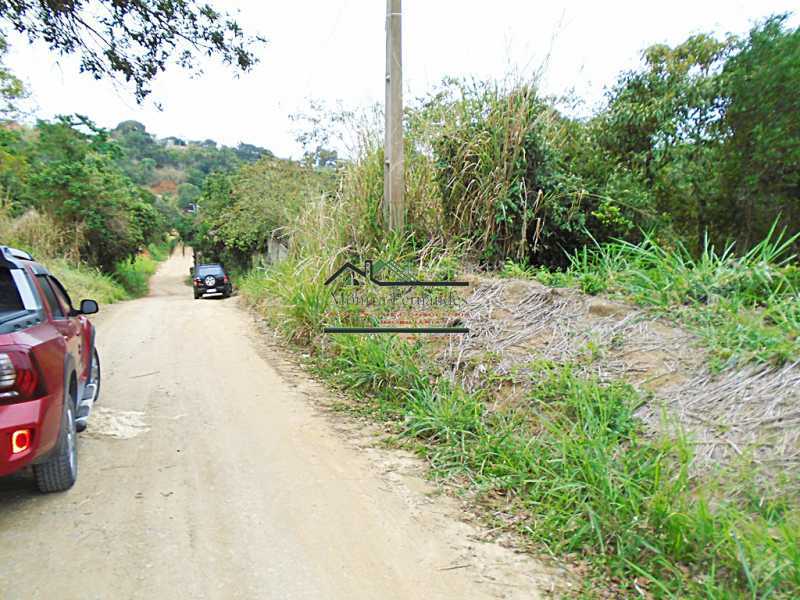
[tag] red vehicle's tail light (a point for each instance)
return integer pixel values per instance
(197, 281)
(20, 440)
(19, 377)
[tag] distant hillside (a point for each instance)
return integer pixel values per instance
(174, 168)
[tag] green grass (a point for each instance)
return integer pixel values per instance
(134, 275)
(744, 307)
(299, 288)
(129, 280)
(160, 252)
(82, 282)
(570, 461)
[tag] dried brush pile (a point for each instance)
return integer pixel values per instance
(751, 412)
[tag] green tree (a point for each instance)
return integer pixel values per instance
(187, 194)
(240, 211)
(14, 168)
(75, 178)
(760, 155)
(251, 152)
(133, 40)
(12, 90)
(660, 124)
(321, 158)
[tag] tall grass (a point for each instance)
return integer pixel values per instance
(490, 153)
(659, 275)
(59, 248)
(41, 235)
(570, 461)
(134, 274)
(573, 463)
(744, 306)
(293, 294)
(83, 281)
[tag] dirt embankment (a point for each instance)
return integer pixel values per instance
(752, 412)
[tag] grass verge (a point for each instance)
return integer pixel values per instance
(86, 282)
(134, 275)
(570, 462)
(744, 307)
(129, 280)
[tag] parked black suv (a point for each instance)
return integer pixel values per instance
(211, 279)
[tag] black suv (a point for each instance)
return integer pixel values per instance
(211, 279)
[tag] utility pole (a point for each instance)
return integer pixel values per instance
(393, 178)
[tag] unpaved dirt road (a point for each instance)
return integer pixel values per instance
(207, 472)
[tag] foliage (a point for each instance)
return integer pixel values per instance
(67, 170)
(41, 235)
(59, 248)
(148, 160)
(743, 306)
(12, 90)
(133, 40)
(760, 158)
(75, 180)
(134, 274)
(711, 128)
(187, 194)
(575, 467)
(251, 152)
(503, 172)
(242, 211)
(82, 282)
(569, 462)
(502, 168)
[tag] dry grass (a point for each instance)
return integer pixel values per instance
(42, 236)
(736, 414)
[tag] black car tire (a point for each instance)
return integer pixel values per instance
(60, 471)
(196, 296)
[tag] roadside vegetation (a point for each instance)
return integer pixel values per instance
(68, 202)
(744, 307)
(569, 465)
(59, 249)
(101, 207)
(679, 195)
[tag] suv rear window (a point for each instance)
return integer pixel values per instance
(204, 270)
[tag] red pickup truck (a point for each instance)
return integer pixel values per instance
(49, 372)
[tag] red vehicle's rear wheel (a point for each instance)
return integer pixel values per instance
(60, 471)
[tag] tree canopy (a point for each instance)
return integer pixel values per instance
(134, 40)
(12, 89)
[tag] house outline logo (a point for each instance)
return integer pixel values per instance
(370, 274)
(370, 271)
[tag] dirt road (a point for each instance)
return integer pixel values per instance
(207, 472)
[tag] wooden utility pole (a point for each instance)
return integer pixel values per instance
(393, 180)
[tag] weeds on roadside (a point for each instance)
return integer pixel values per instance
(83, 281)
(744, 307)
(134, 275)
(570, 460)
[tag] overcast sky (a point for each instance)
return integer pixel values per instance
(334, 50)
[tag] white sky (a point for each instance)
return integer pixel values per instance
(334, 50)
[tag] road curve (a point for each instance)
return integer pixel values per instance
(207, 472)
